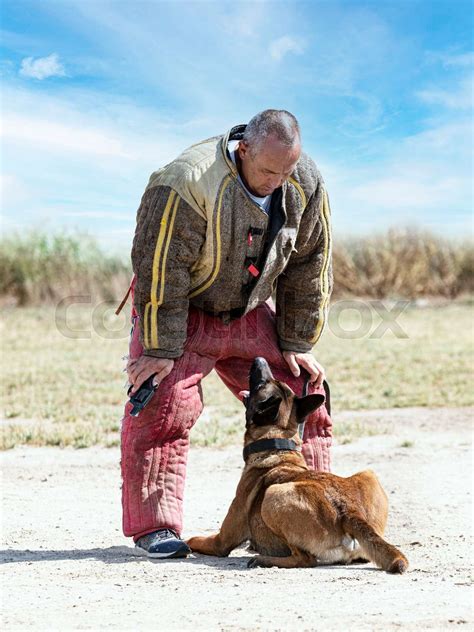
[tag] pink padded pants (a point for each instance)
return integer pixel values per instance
(155, 444)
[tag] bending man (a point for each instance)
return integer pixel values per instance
(233, 220)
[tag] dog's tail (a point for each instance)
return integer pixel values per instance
(379, 551)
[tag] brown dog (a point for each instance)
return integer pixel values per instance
(296, 517)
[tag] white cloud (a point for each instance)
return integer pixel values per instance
(459, 98)
(241, 19)
(42, 67)
(110, 134)
(424, 179)
(284, 45)
(13, 191)
(79, 159)
(111, 215)
(463, 60)
(458, 60)
(407, 191)
(36, 130)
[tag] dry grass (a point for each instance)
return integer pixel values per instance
(403, 263)
(59, 390)
(38, 268)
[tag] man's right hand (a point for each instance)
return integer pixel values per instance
(140, 369)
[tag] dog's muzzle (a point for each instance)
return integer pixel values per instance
(260, 374)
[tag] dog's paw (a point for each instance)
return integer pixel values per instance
(195, 543)
(258, 562)
(399, 566)
(205, 545)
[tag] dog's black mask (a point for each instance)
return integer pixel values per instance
(266, 395)
(266, 411)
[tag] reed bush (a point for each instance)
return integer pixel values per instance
(39, 268)
(403, 263)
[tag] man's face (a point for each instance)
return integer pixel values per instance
(269, 166)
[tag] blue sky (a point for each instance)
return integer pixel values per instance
(98, 94)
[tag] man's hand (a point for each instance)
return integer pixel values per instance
(308, 362)
(141, 368)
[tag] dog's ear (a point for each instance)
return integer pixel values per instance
(266, 412)
(244, 397)
(306, 405)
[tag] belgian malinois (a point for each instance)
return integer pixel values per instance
(293, 516)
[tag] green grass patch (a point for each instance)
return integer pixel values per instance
(68, 390)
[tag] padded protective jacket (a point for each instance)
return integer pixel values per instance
(201, 240)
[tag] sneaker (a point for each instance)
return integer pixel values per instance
(163, 543)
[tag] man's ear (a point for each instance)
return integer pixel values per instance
(243, 150)
(266, 412)
(306, 405)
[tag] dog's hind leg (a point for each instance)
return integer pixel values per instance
(297, 559)
(373, 545)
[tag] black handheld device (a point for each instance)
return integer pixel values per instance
(142, 396)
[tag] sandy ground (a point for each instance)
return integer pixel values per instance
(67, 566)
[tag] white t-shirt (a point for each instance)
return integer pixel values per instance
(263, 202)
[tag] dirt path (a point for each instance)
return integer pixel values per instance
(67, 565)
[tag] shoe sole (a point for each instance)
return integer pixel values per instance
(182, 552)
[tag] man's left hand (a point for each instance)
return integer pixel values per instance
(308, 362)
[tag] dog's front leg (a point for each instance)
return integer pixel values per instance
(297, 559)
(234, 530)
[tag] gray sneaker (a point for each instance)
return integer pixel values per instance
(163, 544)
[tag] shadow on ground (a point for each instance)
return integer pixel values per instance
(126, 555)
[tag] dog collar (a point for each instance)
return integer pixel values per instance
(269, 444)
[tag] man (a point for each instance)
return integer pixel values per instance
(231, 221)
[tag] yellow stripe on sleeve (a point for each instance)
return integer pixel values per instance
(299, 188)
(324, 276)
(146, 328)
(159, 246)
(155, 272)
(217, 261)
(156, 305)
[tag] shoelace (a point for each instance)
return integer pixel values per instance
(164, 534)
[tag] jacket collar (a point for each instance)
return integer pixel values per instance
(235, 133)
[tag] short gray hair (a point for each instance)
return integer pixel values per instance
(279, 123)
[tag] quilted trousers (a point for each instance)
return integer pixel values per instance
(155, 443)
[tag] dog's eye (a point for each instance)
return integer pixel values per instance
(271, 402)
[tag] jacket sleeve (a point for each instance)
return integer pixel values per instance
(304, 288)
(168, 237)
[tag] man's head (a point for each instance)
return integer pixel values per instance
(269, 151)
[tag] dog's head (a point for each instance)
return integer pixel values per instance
(272, 405)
